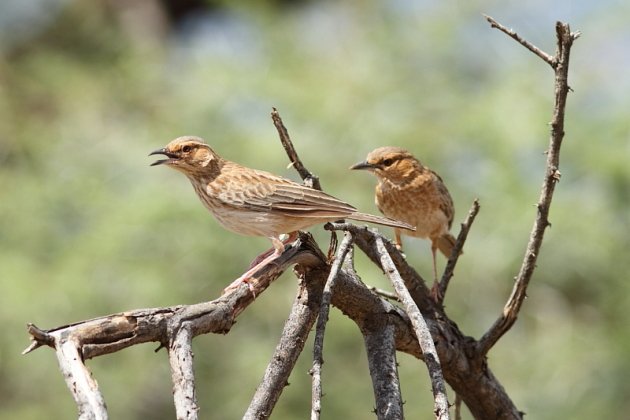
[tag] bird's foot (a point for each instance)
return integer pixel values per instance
(237, 283)
(435, 292)
(400, 249)
(259, 262)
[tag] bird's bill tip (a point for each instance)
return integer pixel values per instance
(362, 165)
(164, 152)
(159, 162)
(161, 151)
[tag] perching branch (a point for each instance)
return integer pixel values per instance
(114, 332)
(173, 327)
(470, 377)
(366, 240)
(560, 64)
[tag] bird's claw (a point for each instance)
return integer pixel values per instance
(237, 283)
(435, 292)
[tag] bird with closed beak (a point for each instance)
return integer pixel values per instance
(410, 192)
(256, 203)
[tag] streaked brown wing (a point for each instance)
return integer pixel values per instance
(307, 202)
(262, 191)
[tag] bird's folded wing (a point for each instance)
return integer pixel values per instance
(264, 192)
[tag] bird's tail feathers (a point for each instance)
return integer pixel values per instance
(379, 220)
(446, 243)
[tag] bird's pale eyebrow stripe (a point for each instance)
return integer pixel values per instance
(393, 158)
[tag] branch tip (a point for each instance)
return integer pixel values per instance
(39, 338)
(457, 249)
(309, 178)
(560, 64)
(514, 35)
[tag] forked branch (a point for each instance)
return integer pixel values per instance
(560, 64)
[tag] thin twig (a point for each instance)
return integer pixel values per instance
(552, 61)
(322, 319)
(309, 178)
(457, 250)
(422, 333)
(384, 293)
(565, 39)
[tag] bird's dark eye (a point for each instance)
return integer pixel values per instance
(388, 162)
(186, 148)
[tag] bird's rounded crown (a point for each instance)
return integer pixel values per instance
(187, 154)
(393, 163)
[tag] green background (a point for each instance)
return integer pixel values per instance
(87, 228)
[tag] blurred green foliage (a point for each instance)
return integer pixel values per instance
(87, 228)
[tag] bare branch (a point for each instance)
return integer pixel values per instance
(468, 373)
(510, 32)
(318, 345)
(114, 332)
(180, 356)
(83, 387)
(422, 333)
(366, 238)
(310, 180)
(457, 250)
(380, 346)
(301, 319)
(565, 40)
(38, 338)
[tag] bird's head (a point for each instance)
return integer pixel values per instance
(187, 154)
(392, 163)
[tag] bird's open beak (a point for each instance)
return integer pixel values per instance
(364, 165)
(171, 157)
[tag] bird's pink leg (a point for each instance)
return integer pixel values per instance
(261, 261)
(435, 289)
(398, 240)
